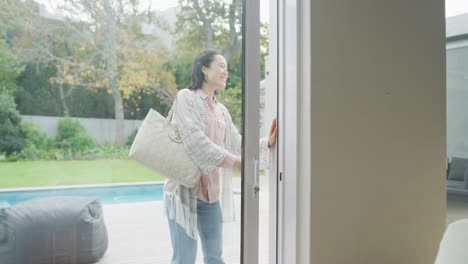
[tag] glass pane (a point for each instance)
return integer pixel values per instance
(457, 120)
(268, 109)
(77, 78)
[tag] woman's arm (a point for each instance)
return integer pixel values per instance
(265, 144)
(189, 119)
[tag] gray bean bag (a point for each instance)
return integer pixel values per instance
(54, 230)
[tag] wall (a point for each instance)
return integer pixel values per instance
(102, 130)
(457, 98)
(378, 131)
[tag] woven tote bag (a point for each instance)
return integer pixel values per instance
(158, 146)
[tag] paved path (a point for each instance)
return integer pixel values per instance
(138, 234)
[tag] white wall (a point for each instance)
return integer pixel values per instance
(102, 130)
(378, 131)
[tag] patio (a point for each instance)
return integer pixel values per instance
(139, 234)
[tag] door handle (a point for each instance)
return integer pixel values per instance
(256, 185)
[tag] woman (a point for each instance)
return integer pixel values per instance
(213, 142)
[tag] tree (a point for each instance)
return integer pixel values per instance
(35, 95)
(10, 12)
(9, 69)
(208, 24)
(11, 139)
(219, 22)
(100, 45)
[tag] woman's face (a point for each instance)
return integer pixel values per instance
(217, 74)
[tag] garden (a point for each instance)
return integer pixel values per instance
(32, 158)
(111, 60)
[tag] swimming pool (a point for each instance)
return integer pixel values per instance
(106, 194)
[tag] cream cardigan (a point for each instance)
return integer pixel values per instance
(189, 119)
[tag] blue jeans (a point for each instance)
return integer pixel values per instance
(209, 223)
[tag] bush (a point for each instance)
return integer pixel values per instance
(107, 152)
(13, 157)
(64, 154)
(72, 137)
(81, 143)
(33, 135)
(131, 138)
(11, 139)
(68, 128)
(30, 152)
(52, 154)
(40, 146)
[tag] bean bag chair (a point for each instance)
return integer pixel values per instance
(53, 230)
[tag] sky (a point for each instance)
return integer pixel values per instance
(452, 7)
(165, 4)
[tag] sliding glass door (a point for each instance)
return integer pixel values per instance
(80, 77)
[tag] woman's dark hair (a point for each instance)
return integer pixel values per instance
(203, 59)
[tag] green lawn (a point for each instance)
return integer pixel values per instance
(51, 173)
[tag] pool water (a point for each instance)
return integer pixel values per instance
(107, 194)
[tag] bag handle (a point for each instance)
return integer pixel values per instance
(171, 111)
(173, 132)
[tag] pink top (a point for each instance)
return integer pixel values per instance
(215, 128)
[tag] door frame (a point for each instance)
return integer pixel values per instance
(251, 131)
(294, 123)
(290, 192)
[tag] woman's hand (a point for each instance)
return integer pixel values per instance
(273, 132)
(237, 164)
